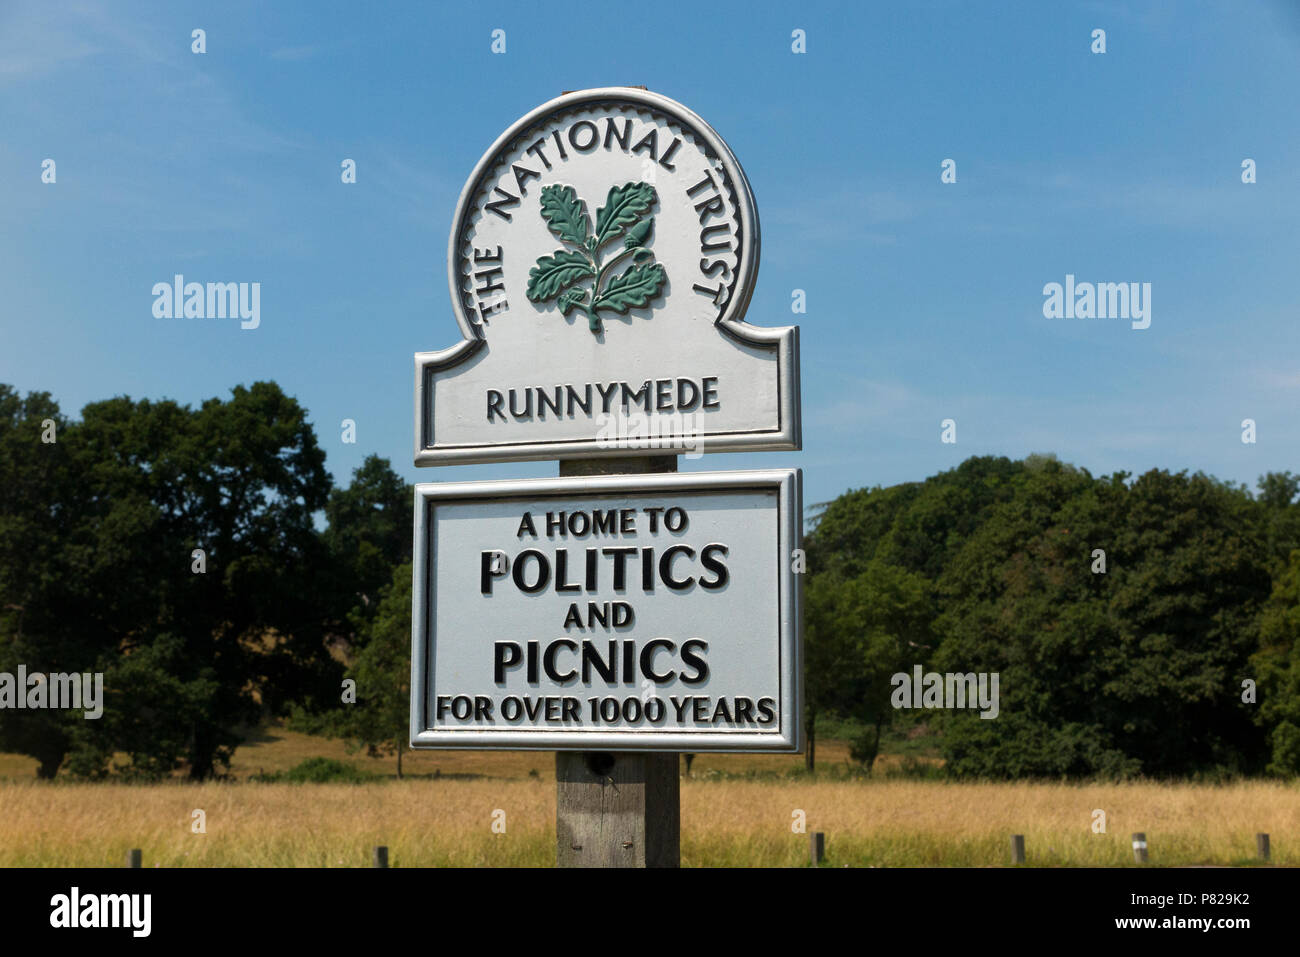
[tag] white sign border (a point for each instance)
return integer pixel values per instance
(784, 341)
(787, 483)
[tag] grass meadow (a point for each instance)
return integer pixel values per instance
(737, 810)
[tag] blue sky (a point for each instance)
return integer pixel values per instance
(924, 299)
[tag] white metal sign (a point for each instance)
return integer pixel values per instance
(602, 257)
(652, 612)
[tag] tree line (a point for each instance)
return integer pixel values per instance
(204, 561)
(176, 550)
(1139, 626)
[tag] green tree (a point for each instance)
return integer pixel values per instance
(1279, 497)
(878, 624)
(1021, 600)
(380, 718)
(1276, 669)
(1132, 670)
(189, 657)
(39, 561)
(875, 555)
(369, 541)
(369, 532)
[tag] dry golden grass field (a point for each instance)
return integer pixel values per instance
(726, 820)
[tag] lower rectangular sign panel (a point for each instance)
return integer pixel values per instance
(654, 612)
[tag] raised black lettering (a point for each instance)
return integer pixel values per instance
(507, 199)
(562, 572)
(607, 669)
(663, 395)
(706, 245)
(709, 207)
(488, 570)
(696, 661)
(668, 154)
(543, 571)
(612, 134)
(506, 654)
(522, 175)
(640, 397)
(648, 660)
(606, 395)
(536, 150)
(527, 411)
(604, 521)
(649, 144)
(629, 661)
(548, 661)
(589, 127)
(584, 403)
(717, 295)
(620, 554)
(544, 401)
(707, 181)
(666, 567)
(709, 559)
(710, 383)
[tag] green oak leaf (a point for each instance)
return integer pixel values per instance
(564, 214)
(570, 298)
(623, 207)
(638, 234)
(553, 273)
(636, 287)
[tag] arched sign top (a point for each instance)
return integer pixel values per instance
(602, 258)
(576, 180)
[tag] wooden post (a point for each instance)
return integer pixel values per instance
(133, 857)
(817, 848)
(617, 809)
(381, 856)
(1261, 846)
(1140, 847)
(1017, 849)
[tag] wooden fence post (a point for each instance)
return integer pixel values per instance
(381, 856)
(1261, 846)
(133, 857)
(1140, 847)
(817, 848)
(1017, 849)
